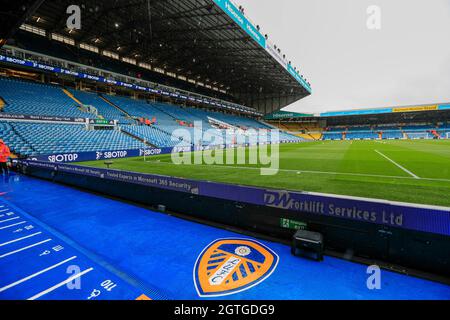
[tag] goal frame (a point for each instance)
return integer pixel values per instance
(418, 135)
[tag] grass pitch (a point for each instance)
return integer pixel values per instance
(408, 171)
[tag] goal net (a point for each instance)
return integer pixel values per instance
(418, 135)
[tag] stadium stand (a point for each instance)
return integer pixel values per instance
(388, 132)
(19, 98)
(361, 135)
(304, 131)
(140, 109)
(34, 138)
(155, 90)
(48, 138)
(29, 98)
(105, 110)
(2, 104)
(153, 135)
(392, 134)
(17, 144)
(332, 136)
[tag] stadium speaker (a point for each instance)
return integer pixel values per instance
(13, 14)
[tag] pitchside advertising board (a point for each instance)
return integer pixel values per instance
(116, 154)
(130, 153)
(7, 116)
(100, 155)
(234, 13)
(430, 219)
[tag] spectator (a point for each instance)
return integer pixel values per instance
(4, 155)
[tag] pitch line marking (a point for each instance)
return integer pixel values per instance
(309, 171)
(25, 248)
(56, 286)
(15, 218)
(395, 163)
(23, 238)
(9, 286)
(13, 225)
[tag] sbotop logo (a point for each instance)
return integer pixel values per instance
(149, 152)
(66, 157)
(229, 266)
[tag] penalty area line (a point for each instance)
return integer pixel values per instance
(398, 165)
(300, 171)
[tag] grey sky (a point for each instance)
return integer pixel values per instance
(407, 62)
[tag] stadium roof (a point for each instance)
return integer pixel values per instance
(349, 115)
(210, 41)
(387, 110)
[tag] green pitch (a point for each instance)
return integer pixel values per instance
(408, 171)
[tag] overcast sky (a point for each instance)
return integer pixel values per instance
(407, 62)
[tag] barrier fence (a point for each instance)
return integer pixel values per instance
(429, 219)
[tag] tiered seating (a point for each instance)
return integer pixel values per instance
(388, 128)
(332, 136)
(419, 131)
(392, 134)
(140, 108)
(422, 128)
(240, 121)
(336, 129)
(167, 114)
(104, 109)
(444, 129)
(419, 135)
(13, 140)
(359, 129)
(46, 138)
(286, 137)
(27, 98)
(153, 135)
(178, 113)
(293, 127)
(363, 135)
(31, 138)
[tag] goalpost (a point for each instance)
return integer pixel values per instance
(447, 135)
(418, 135)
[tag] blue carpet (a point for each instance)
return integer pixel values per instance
(160, 252)
(37, 264)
